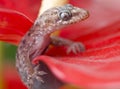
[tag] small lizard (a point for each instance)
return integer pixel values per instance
(38, 38)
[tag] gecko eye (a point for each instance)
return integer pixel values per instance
(65, 15)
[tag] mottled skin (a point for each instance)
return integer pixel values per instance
(38, 38)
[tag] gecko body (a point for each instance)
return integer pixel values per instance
(38, 38)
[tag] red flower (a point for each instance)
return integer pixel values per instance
(98, 66)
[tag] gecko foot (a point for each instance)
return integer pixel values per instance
(75, 47)
(37, 73)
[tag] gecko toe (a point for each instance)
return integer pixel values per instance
(76, 48)
(37, 74)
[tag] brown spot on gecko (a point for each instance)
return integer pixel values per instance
(29, 34)
(23, 41)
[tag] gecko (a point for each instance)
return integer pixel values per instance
(38, 38)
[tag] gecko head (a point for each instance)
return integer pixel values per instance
(58, 17)
(69, 14)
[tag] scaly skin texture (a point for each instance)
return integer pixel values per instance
(38, 38)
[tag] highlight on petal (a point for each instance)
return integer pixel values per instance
(13, 25)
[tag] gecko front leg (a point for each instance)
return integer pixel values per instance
(74, 47)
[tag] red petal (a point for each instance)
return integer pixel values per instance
(28, 7)
(13, 25)
(90, 73)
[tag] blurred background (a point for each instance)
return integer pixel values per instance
(9, 78)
